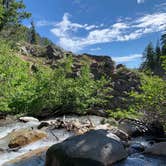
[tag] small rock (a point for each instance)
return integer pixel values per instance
(3, 115)
(136, 148)
(28, 119)
(43, 124)
(121, 134)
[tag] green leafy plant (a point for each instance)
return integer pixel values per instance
(152, 98)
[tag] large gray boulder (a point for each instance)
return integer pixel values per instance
(95, 147)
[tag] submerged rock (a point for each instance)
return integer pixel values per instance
(95, 147)
(24, 137)
(157, 149)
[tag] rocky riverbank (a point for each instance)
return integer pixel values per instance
(138, 143)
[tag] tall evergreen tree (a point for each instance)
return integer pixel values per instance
(163, 42)
(34, 37)
(149, 56)
(158, 52)
(12, 12)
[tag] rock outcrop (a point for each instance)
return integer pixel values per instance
(123, 82)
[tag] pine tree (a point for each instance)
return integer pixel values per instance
(12, 12)
(34, 38)
(149, 56)
(163, 42)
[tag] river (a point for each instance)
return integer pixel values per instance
(6, 156)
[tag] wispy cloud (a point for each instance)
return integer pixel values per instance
(140, 1)
(129, 58)
(160, 7)
(124, 30)
(43, 23)
(95, 49)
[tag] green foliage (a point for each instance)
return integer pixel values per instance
(152, 98)
(163, 60)
(12, 12)
(14, 78)
(119, 113)
(25, 91)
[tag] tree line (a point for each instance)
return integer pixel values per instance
(12, 13)
(155, 57)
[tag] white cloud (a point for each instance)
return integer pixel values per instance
(42, 23)
(140, 1)
(127, 58)
(95, 49)
(124, 30)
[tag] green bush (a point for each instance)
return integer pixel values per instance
(25, 91)
(151, 101)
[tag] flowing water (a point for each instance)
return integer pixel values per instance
(6, 155)
(136, 159)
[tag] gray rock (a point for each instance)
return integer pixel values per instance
(91, 148)
(157, 149)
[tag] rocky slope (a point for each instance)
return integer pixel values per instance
(123, 81)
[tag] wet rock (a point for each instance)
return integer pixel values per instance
(136, 148)
(156, 129)
(133, 127)
(28, 119)
(103, 126)
(43, 124)
(157, 149)
(7, 120)
(91, 148)
(24, 137)
(121, 134)
(2, 115)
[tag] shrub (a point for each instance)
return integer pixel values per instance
(151, 101)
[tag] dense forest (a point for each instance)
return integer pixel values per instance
(39, 78)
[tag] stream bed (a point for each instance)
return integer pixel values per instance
(7, 158)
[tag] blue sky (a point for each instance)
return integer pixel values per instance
(117, 28)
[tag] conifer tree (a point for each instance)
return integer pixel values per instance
(34, 37)
(163, 42)
(12, 12)
(149, 56)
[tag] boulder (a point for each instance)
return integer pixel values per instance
(95, 147)
(157, 149)
(28, 119)
(24, 137)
